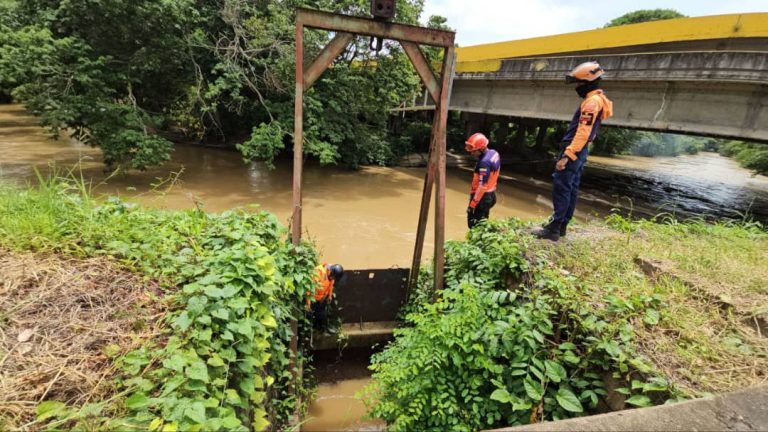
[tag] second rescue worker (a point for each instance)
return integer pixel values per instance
(483, 194)
(326, 276)
(583, 128)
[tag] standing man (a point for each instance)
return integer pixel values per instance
(582, 130)
(483, 194)
(326, 275)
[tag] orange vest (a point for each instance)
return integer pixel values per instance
(324, 284)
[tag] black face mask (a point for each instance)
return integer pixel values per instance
(585, 88)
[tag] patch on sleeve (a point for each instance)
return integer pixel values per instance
(587, 118)
(482, 170)
(590, 105)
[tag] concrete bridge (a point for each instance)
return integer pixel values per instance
(705, 76)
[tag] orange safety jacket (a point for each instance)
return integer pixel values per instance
(323, 283)
(485, 177)
(594, 108)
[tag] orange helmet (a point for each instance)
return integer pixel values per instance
(476, 142)
(584, 72)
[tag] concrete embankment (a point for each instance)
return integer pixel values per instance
(745, 410)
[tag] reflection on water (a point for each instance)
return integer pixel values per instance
(705, 184)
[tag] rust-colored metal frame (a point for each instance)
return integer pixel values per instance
(410, 37)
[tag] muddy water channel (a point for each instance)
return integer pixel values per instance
(367, 218)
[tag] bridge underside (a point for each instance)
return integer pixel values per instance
(719, 94)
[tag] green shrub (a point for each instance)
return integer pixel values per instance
(510, 340)
(223, 361)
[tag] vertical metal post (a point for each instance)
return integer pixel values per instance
(298, 140)
(426, 196)
(298, 135)
(440, 133)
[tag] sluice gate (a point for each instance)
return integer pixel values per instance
(368, 303)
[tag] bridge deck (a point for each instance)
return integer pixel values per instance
(741, 32)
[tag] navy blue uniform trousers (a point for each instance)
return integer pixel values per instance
(565, 187)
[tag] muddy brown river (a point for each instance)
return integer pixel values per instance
(361, 219)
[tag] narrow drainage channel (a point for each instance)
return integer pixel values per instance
(340, 376)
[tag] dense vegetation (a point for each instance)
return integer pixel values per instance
(527, 331)
(130, 76)
(510, 340)
(233, 281)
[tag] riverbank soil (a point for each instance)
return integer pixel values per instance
(709, 334)
(62, 322)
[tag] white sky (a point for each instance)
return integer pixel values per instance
(483, 21)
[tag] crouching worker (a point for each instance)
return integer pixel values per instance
(326, 275)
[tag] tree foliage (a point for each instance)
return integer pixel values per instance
(644, 15)
(125, 76)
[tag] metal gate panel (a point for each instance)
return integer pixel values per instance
(370, 295)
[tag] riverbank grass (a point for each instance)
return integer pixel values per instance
(218, 355)
(712, 283)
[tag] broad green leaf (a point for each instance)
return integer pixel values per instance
(568, 401)
(565, 346)
(651, 316)
(555, 371)
(519, 405)
(170, 427)
(47, 409)
(197, 371)
(183, 321)
(533, 389)
(230, 422)
(656, 384)
(137, 401)
(221, 313)
(156, 423)
(260, 419)
(232, 396)
(639, 401)
(196, 412)
(500, 395)
(175, 362)
(269, 322)
(216, 361)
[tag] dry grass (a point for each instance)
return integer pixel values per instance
(713, 282)
(60, 322)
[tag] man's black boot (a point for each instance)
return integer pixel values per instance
(562, 229)
(551, 231)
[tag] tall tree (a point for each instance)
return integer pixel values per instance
(120, 74)
(644, 15)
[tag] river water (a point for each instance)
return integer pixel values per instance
(367, 218)
(361, 219)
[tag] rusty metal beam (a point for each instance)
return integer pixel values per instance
(326, 57)
(422, 67)
(439, 132)
(386, 30)
(421, 228)
(298, 136)
(298, 141)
